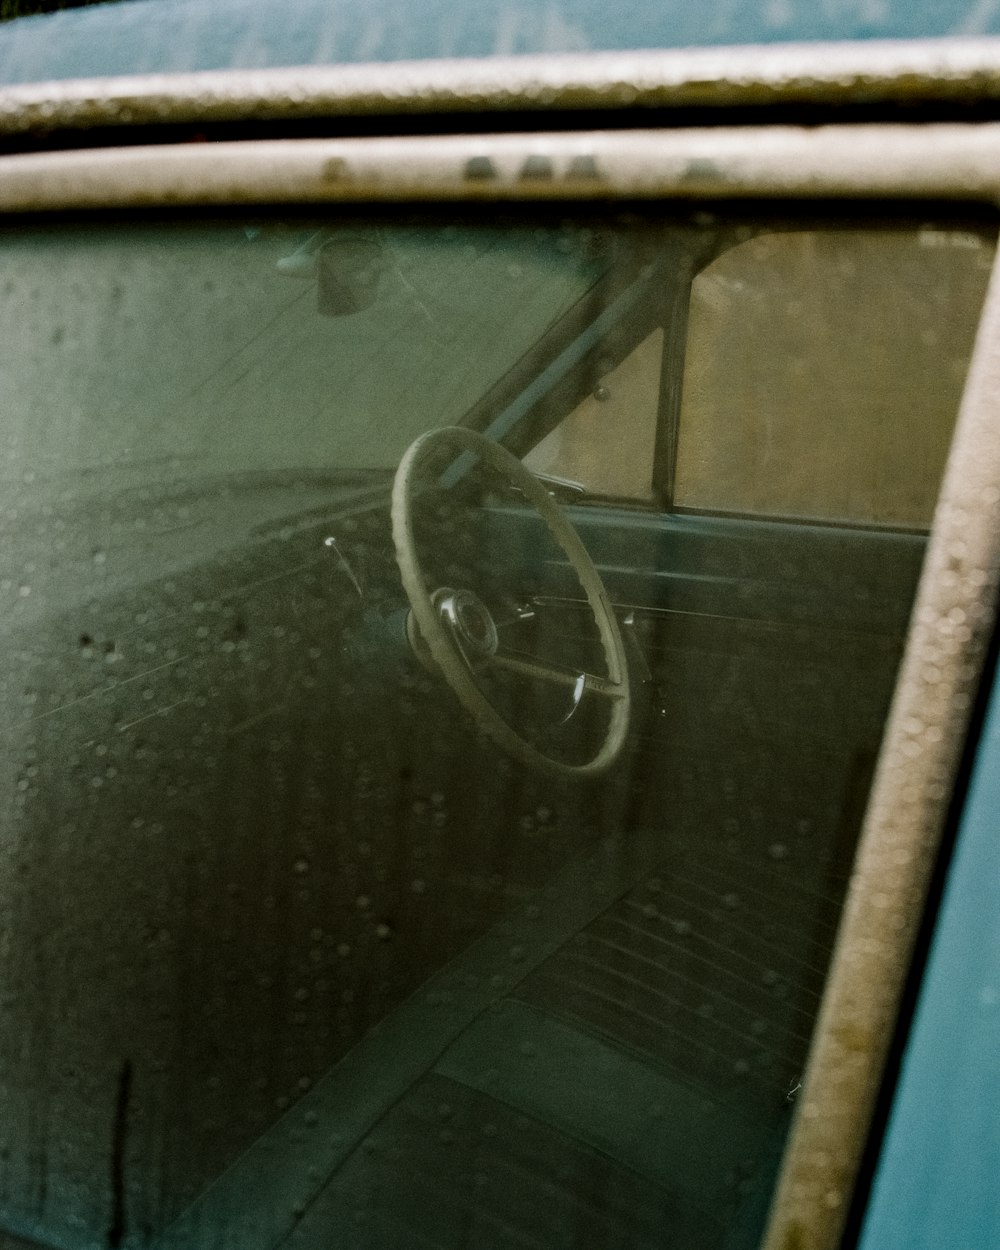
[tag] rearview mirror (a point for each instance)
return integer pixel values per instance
(348, 271)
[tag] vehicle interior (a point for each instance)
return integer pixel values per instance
(448, 659)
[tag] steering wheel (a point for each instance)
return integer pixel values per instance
(458, 631)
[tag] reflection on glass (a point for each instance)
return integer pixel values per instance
(296, 944)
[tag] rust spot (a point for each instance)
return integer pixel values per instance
(336, 169)
(480, 169)
(583, 168)
(537, 169)
(794, 1238)
(702, 170)
(853, 1038)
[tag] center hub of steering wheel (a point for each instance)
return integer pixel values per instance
(469, 620)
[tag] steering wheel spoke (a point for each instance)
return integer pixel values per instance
(557, 674)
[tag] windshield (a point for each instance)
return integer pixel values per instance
(271, 346)
(413, 836)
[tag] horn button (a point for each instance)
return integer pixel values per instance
(469, 621)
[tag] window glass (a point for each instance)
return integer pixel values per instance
(607, 443)
(858, 431)
(261, 348)
(378, 867)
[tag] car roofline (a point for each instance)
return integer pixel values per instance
(910, 73)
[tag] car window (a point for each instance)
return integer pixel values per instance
(766, 425)
(265, 346)
(607, 442)
(394, 852)
(858, 432)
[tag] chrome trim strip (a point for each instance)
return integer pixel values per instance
(867, 73)
(953, 619)
(957, 162)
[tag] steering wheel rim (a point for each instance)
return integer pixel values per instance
(444, 649)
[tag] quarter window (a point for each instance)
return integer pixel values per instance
(823, 371)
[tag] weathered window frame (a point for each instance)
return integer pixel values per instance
(953, 617)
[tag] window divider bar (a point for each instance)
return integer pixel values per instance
(925, 736)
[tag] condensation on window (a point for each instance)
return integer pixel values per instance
(376, 867)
